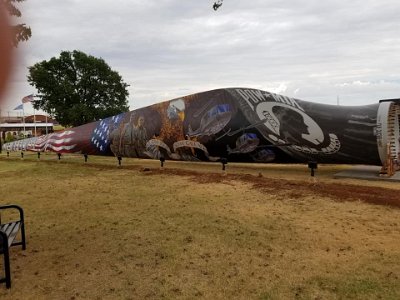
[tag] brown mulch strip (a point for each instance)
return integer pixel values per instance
(336, 191)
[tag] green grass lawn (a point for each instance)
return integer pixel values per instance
(98, 231)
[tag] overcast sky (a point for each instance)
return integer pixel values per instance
(311, 50)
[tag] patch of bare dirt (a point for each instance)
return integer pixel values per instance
(336, 191)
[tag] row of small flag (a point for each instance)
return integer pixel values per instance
(26, 99)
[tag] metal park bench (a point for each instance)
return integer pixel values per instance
(8, 233)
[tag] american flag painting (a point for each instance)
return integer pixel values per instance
(92, 138)
(57, 142)
(100, 139)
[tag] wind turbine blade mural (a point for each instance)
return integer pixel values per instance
(239, 124)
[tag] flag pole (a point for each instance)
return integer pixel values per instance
(23, 117)
(34, 120)
(46, 122)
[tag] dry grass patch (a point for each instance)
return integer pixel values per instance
(96, 231)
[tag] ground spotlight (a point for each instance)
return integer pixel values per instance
(312, 165)
(224, 162)
(162, 160)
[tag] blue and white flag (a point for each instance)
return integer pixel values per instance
(19, 107)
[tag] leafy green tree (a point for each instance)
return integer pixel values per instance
(21, 31)
(77, 88)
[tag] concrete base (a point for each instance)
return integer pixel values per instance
(366, 173)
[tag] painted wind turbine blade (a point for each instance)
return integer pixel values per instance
(248, 124)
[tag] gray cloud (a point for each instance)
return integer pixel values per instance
(311, 50)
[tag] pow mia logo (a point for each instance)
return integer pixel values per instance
(287, 123)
